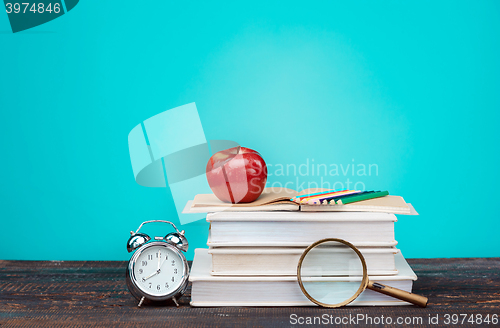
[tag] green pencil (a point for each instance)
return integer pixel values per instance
(358, 198)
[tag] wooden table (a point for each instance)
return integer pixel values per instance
(57, 294)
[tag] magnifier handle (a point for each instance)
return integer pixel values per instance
(398, 293)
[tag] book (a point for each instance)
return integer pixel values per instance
(282, 261)
(268, 196)
(286, 243)
(277, 199)
(286, 206)
(301, 228)
(213, 291)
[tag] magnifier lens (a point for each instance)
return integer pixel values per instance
(332, 273)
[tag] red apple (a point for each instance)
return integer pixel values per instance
(237, 175)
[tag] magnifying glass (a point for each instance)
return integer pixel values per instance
(332, 273)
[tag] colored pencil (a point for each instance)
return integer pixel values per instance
(330, 194)
(333, 200)
(309, 195)
(358, 198)
(320, 200)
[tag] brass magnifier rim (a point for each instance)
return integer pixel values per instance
(362, 286)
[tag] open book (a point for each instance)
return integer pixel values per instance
(279, 199)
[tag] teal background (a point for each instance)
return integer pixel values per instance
(410, 86)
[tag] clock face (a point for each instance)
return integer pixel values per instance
(158, 270)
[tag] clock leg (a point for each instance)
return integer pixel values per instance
(175, 301)
(140, 302)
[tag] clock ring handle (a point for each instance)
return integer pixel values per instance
(152, 221)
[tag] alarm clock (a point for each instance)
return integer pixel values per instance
(158, 270)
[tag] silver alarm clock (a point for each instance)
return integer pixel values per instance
(158, 270)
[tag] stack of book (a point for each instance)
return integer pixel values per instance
(253, 249)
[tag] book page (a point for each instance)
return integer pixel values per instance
(269, 195)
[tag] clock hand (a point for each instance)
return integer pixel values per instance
(153, 274)
(159, 258)
(165, 260)
(162, 264)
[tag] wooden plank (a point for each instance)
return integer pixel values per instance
(93, 294)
